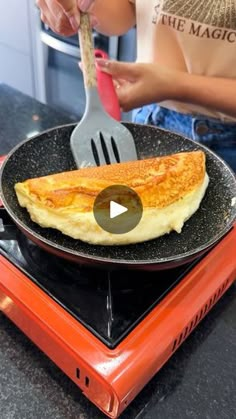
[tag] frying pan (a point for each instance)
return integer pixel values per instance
(50, 153)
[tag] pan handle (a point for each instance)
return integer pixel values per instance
(106, 90)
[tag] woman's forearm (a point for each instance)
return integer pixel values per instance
(115, 17)
(211, 92)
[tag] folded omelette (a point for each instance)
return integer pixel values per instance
(171, 189)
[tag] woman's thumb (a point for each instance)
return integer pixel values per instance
(117, 69)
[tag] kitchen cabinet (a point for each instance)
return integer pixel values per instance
(15, 70)
(16, 64)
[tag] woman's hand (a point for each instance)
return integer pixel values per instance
(140, 84)
(143, 84)
(63, 16)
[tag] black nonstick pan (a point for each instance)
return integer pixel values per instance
(50, 153)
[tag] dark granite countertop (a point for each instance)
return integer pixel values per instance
(199, 381)
(22, 117)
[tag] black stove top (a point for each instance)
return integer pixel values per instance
(109, 304)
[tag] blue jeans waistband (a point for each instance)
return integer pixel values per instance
(215, 134)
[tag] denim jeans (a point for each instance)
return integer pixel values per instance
(218, 136)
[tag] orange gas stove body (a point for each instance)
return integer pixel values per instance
(111, 378)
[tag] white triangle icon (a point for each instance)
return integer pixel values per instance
(116, 209)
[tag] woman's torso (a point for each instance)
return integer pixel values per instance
(198, 37)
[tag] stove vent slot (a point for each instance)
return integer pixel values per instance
(80, 376)
(198, 317)
(87, 381)
(78, 373)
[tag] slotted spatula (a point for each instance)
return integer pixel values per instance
(98, 139)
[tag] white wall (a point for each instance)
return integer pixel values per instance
(16, 64)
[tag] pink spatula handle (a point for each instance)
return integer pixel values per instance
(2, 158)
(107, 90)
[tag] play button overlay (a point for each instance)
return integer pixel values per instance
(118, 209)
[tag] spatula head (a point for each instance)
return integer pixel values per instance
(98, 139)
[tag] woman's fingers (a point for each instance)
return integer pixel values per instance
(84, 5)
(63, 16)
(136, 84)
(125, 71)
(42, 5)
(44, 19)
(54, 16)
(119, 82)
(144, 82)
(125, 77)
(71, 10)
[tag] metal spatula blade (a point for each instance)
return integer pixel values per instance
(98, 139)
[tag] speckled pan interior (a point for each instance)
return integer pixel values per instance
(50, 153)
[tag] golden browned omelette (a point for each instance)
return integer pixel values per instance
(171, 189)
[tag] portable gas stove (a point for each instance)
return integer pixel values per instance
(109, 332)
